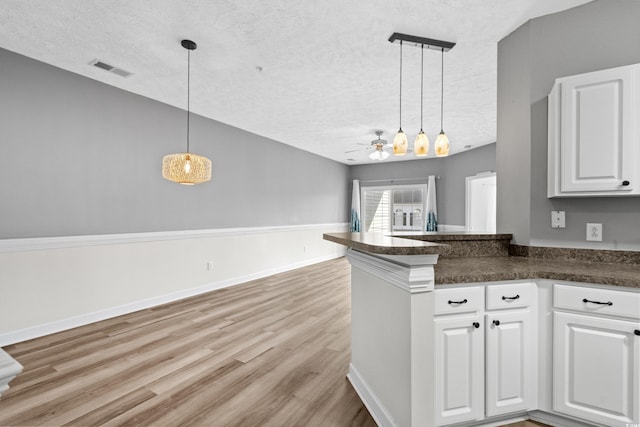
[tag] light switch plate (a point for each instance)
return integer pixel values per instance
(594, 232)
(557, 219)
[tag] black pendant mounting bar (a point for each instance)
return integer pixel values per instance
(422, 41)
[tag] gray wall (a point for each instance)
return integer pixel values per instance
(79, 157)
(513, 156)
(452, 170)
(598, 35)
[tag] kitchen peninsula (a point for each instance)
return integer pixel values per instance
(466, 329)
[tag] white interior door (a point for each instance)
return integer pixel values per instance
(481, 203)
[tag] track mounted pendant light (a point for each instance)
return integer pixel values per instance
(421, 144)
(400, 140)
(442, 141)
(187, 168)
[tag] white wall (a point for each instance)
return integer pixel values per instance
(48, 285)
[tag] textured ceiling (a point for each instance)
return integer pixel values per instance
(329, 77)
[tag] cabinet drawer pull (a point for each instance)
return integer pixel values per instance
(637, 332)
(496, 322)
(464, 301)
(510, 298)
(477, 325)
(597, 302)
(625, 183)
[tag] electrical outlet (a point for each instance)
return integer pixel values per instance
(557, 219)
(594, 232)
(210, 265)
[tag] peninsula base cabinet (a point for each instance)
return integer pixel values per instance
(596, 356)
(485, 363)
(489, 354)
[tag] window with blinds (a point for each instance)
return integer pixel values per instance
(393, 208)
(376, 209)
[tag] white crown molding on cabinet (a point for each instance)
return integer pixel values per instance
(42, 243)
(414, 275)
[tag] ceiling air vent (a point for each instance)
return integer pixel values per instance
(110, 68)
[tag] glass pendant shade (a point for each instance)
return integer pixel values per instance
(379, 154)
(400, 144)
(421, 145)
(186, 168)
(442, 145)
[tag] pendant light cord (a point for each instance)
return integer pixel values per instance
(188, 92)
(442, 91)
(400, 84)
(421, 83)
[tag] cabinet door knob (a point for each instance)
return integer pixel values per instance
(625, 183)
(496, 322)
(637, 332)
(477, 325)
(464, 301)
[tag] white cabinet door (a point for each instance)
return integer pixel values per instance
(459, 373)
(510, 355)
(593, 135)
(596, 364)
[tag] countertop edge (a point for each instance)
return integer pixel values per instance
(388, 246)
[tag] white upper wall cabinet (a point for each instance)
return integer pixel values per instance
(594, 134)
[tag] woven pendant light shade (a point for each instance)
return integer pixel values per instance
(186, 168)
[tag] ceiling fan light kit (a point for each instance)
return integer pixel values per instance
(187, 168)
(421, 144)
(380, 144)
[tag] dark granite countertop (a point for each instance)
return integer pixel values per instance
(378, 243)
(460, 260)
(491, 269)
(444, 236)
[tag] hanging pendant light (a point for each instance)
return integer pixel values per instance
(442, 141)
(400, 140)
(187, 168)
(421, 144)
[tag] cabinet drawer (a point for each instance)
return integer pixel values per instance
(458, 300)
(598, 301)
(514, 295)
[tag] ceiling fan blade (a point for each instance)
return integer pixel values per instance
(351, 151)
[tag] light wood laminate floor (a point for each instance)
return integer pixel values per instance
(272, 352)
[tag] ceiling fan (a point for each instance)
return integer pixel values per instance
(379, 145)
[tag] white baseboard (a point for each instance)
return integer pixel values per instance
(25, 334)
(371, 402)
(558, 421)
(451, 228)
